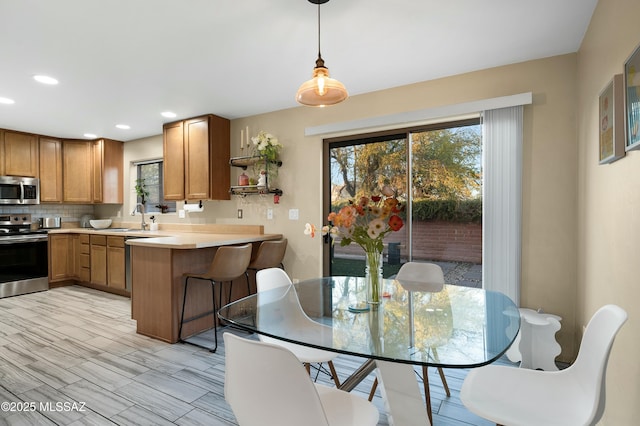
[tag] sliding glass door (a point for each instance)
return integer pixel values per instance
(436, 173)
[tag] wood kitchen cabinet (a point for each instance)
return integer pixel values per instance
(19, 154)
(196, 159)
(50, 152)
(77, 169)
(60, 255)
(98, 259)
(108, 158)
(116, 262)
(108, 261)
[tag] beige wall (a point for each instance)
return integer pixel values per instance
(608, 206)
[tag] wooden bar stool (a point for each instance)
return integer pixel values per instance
(270, 255)
(229, 263)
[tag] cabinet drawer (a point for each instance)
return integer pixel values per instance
(84, 239)
(84, 248)
(99, 240)
(85, 261)
(115, 241)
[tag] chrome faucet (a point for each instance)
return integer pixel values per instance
(140, 208)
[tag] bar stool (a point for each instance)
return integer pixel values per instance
(269, 255)
(229, 263)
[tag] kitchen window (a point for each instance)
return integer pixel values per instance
(151, 172)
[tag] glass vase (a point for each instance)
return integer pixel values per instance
(373, 276)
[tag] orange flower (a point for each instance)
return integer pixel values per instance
(395, 222)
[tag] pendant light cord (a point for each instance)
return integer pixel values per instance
(319, 55)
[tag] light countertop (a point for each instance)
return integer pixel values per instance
(174, 239)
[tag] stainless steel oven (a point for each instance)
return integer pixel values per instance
(19, 190)
(23, 256)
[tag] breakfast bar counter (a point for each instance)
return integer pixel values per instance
(157, 283)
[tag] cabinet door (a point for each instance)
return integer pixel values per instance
(50, 170)
(59, 257)
(115, 262)
(196, 148)
(98, 152)
(20, 154)
(219, 144)
(99, 259)
(173, 161)
(77, 165)
(112, 171)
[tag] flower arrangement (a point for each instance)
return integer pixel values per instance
(366, 223)
(267, 145)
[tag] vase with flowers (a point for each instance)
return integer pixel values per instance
(366, 223)
(267, 146)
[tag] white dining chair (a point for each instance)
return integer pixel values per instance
(421, 276)
(271, 278)
(283, 394)
(573, 396)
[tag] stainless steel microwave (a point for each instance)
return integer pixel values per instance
(19, 190)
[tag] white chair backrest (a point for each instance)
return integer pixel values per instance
(417, 276)
(590, 367)
(269, 278)
(266, 385)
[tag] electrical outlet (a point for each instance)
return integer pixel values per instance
(269, 214)
(294, 214)
(181, 214)
(239, 213)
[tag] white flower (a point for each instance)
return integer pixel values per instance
(376, 226)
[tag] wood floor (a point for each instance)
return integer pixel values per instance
(71, 356)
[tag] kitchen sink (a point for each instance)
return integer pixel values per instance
(115, 229)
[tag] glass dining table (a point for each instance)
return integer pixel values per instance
(438, 325)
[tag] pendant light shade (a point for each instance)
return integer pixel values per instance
(321, 90)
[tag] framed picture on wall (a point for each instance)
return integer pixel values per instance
(611, 121)
(632, 99)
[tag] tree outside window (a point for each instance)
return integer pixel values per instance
(150, 174)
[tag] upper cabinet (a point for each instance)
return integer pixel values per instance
(108, 157)
(77, 168)
(50, 170)
(196, 159)
(19, 154)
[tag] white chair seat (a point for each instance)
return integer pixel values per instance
(548, 391)
(573, 396)
(346, 411)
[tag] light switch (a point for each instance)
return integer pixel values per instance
(181, 214)
(269, 214)
(293, 214)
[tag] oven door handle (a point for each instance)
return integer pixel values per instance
(21, 240)
(21, 192)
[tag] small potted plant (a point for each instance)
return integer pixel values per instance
(142, 191)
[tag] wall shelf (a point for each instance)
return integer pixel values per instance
(252, 160)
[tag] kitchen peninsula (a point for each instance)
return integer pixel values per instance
(157, 267)
(158, 259)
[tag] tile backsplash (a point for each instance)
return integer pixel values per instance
(68, 212)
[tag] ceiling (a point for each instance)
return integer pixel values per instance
(126, 61)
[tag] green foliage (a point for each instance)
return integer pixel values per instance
(465, 211)
(141, 190)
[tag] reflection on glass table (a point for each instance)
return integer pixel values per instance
(451, 326)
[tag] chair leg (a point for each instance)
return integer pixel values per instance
(373, 389)
(184, 300)
(307, 366)
(334, 375)
(427, 393)
(215, 320)
(246, 276)
(444, 381)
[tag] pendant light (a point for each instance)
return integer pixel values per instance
(321, 90)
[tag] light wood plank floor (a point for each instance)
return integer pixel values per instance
(77, 346)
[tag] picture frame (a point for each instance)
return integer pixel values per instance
(632, 100)
(611, 121)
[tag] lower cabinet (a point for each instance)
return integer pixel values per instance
(97, 261)
(107, 261)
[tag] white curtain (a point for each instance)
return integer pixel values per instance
(502, 203)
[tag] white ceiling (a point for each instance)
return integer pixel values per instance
(125, 61)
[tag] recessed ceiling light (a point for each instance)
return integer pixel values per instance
(90, 135)
(168, 114)
(123, 126)
(7, 101)
(45, 79)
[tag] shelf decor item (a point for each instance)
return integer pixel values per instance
(632, 100)
(266, 145)
(611, 121)
(366, 223)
